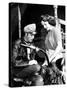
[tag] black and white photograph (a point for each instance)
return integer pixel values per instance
(37, 44)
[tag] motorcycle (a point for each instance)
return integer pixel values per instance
(48, 75)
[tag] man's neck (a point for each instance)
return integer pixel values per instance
(26, 42)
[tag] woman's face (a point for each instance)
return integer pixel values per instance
(46, 25)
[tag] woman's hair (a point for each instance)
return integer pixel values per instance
(50, 19)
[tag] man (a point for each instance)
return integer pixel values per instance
(24, 54)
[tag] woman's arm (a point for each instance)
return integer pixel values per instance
(58, 37)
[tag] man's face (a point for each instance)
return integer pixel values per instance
(29, 37)
(46, 25)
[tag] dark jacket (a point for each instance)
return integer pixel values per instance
(20, 53)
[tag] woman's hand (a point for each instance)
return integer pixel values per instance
(32, 62)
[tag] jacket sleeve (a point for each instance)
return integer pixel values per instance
(19, 53)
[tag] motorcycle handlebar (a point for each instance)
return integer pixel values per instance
(33, 47)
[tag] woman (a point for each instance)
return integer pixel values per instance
(53, 40)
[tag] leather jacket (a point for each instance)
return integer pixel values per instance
(20, 53)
